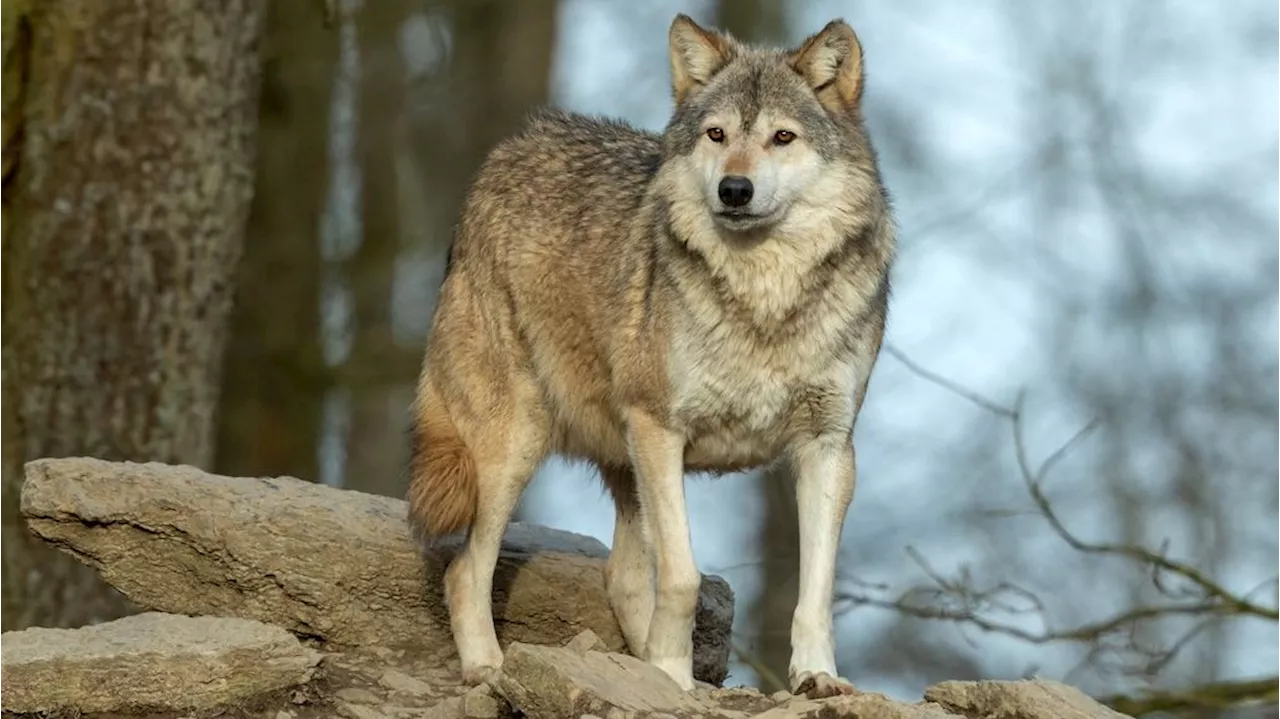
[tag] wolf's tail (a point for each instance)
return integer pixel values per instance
(443, 486)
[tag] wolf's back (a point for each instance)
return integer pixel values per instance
(540, 261)
(563, 180)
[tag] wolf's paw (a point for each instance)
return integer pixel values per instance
(820, 685)
(477, 674)
(679, 669)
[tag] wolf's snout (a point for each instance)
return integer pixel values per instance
(736, 190)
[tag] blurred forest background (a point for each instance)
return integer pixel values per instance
(229, 258)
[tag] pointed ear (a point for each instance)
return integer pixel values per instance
(831, 62)
(696, 55)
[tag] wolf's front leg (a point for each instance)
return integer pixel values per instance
(824, 488)
(658, 455)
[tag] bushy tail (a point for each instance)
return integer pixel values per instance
(443, 486)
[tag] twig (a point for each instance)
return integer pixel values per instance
(1083, 633)
(1218, 695)
(974, 397)
(767, 676)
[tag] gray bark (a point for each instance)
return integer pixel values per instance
(124, 209)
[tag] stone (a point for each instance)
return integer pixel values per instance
(1029, 699)
(552, 682)
(450, 708)
(357, 695)
(736, 701)
(559, 682)
(586, 641)
(398, 681)
(856, 706)
(152, 661)
(358, 711)
(480, 703)
(338, 565)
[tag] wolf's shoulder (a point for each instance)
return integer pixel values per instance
(577, 127)
(553, 137)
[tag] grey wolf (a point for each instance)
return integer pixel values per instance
(708, 299)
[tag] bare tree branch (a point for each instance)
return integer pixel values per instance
(1191, 593)
(1220, 695)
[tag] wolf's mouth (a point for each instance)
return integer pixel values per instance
(745, 220)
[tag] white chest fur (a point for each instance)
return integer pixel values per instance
(736, 397)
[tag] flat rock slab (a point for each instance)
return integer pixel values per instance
(334, 564)
(1033, 698)
(559, 682)
(860, 706)
(577, 680)
(150, 661)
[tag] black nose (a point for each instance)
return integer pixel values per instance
(735, 190)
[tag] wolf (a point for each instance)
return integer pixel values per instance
(708, 299)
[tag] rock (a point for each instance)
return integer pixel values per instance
(480, 703)
(556, 682)
(736, 701)
(358, 711)
(400, 682)
(713, 623)
(586, 641)
(333, 564)
(450, 708)
(1027, 699)
(356, 695)
(857, 706)
(152, 661)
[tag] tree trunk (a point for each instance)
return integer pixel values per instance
(376, 448)
(125, 218)
(275, 378)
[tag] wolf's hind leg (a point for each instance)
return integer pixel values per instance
(629, 575)
(510, 448)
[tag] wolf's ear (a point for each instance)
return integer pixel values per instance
(696, 55)
(831, 62)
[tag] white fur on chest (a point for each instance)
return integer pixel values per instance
(736, 398)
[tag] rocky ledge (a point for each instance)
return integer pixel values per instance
(282, 599)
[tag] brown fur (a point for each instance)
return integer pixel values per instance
(443, 494)
(599, 305)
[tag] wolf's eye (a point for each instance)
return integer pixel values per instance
(716, 134)
(783, 137)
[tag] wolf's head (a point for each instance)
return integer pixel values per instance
(758, 133)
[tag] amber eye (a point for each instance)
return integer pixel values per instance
(783, 137)
(716, 134)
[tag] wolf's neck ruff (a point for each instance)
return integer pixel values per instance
(770, 278)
